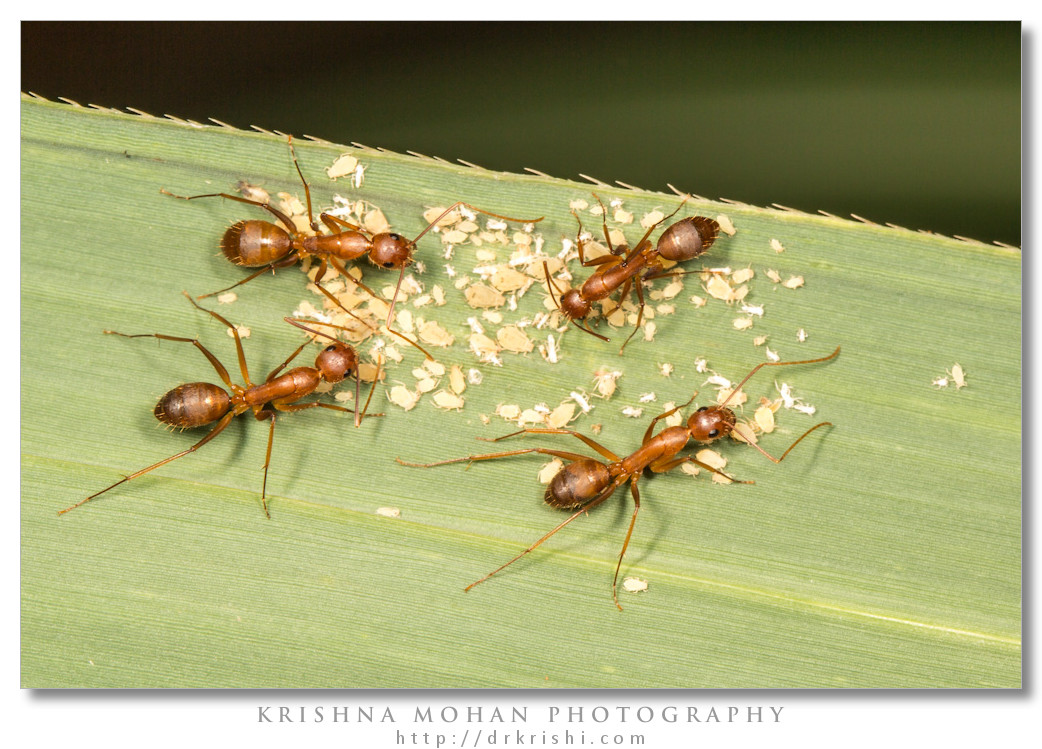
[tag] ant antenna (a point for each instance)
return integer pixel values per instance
(459, 203)
(760, 366)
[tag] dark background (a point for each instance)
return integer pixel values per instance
(916, 124)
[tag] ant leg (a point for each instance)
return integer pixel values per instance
(493, 456)
(267, 462)
(307, 190)
(372, 389)
(274, 373)
(337, 225)
(235, 335)
(285, 262)
(586, 329)
(288, 407)
(604, 224)
(583, 510)
(338, 303)
(600, 260)
(669, 465)
(213, 433)
(221, 371)
(670, 412)
(342, 270)
(595, 445)
(607, 237)
(270, 415)
(323, 266)
(625, 544)
(272, 210)
(639, 285)
(579, 244)
(616, 252)
(663, 273)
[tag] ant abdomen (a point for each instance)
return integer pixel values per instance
(253, 244)
(688, 238)
(577, 483)
(192, 405)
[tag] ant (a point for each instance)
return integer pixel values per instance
(200, 403)
(268, 246)
(684, 240)
(587, 482)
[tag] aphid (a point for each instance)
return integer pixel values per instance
(344, 165)
(725, 225)
(268, 246)
(587, 482)
(684, 240)
(954, 376)
(634, 585)
(197, 404)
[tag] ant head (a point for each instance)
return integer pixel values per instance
(391, 250)
(336, 361)
(710, 423)
(573, 305)
(688, 238)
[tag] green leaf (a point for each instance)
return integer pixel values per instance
(883, 552)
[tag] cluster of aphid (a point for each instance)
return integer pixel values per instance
(583, 482)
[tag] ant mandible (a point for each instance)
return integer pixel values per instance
(684, 240)
(268, 246)
(587, 482)
(197, 404)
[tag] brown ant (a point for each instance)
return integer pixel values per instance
(268, 246)
(587, 482)
(684, 240)
(200, 403)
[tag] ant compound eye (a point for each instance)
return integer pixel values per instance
(329, 348)
(714, 433)
(395, 237)
(703, 408)
(388, 264)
